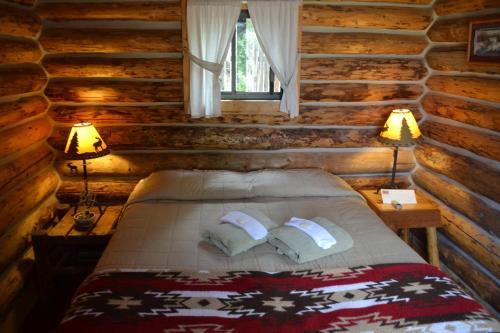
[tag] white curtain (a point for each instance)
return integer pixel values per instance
(211, 25)
(276, 26)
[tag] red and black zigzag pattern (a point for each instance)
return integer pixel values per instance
(381, 298)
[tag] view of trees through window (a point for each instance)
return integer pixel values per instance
(252, 71)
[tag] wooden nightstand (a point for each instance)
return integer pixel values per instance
(423, 214)
(61, 249)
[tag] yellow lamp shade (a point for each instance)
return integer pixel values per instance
(84, 142)
(400, 129)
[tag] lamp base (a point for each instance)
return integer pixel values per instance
(84, 220)
(88, 200)
(87, 197)
(392, 184)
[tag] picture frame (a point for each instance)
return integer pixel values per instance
(484, 41)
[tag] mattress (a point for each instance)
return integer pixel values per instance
(156, 275)
(161, 225)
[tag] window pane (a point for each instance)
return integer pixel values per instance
(241, 56)
(252, 69)
(277, 85)
(225, 76)
(257, 67)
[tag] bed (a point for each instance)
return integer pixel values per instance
(156, 275)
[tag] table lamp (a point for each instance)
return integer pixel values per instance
(85, 143)
(401, 129)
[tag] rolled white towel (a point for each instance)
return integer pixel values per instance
(320, 235)
(252, 226)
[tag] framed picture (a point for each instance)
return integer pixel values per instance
(484, 41)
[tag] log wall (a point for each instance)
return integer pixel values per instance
(28, 180)
(459, 164)
(120, 66)
(360, 60)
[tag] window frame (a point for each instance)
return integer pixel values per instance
(250, 96)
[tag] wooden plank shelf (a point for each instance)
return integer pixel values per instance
(103, 226)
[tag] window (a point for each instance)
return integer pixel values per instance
(246, 73)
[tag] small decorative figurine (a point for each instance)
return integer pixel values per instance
(84, 217)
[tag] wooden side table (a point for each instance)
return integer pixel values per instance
(61, 249)
(423, 214)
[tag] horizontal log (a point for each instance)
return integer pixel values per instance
(362, 69)
(117, 190)
(20, 109)
(170, 113)
(233, 112)
(14, 279)
(110, 40)
(142, 164)
(456, 59)
(97, 91)
(475, 175)
(21, 79)
(162, 68)
(369, 115)
(447, 7)
(23, 136)
(487, 145)
(417, 2)
(366, 17)
(470, 205)
(24, 167)
(140, 10)
(136, 137)
(106, 191)
(469, 270)
(472, 239)
(18, 203)
(463, 111)
(16, 51)
(23, 2)
(480, 88)
(18, 238)
(15, 21)
(372, 182)
(361, 43)
(358, 92)
(454, 29)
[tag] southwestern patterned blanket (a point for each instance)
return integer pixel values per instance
(379, 298)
